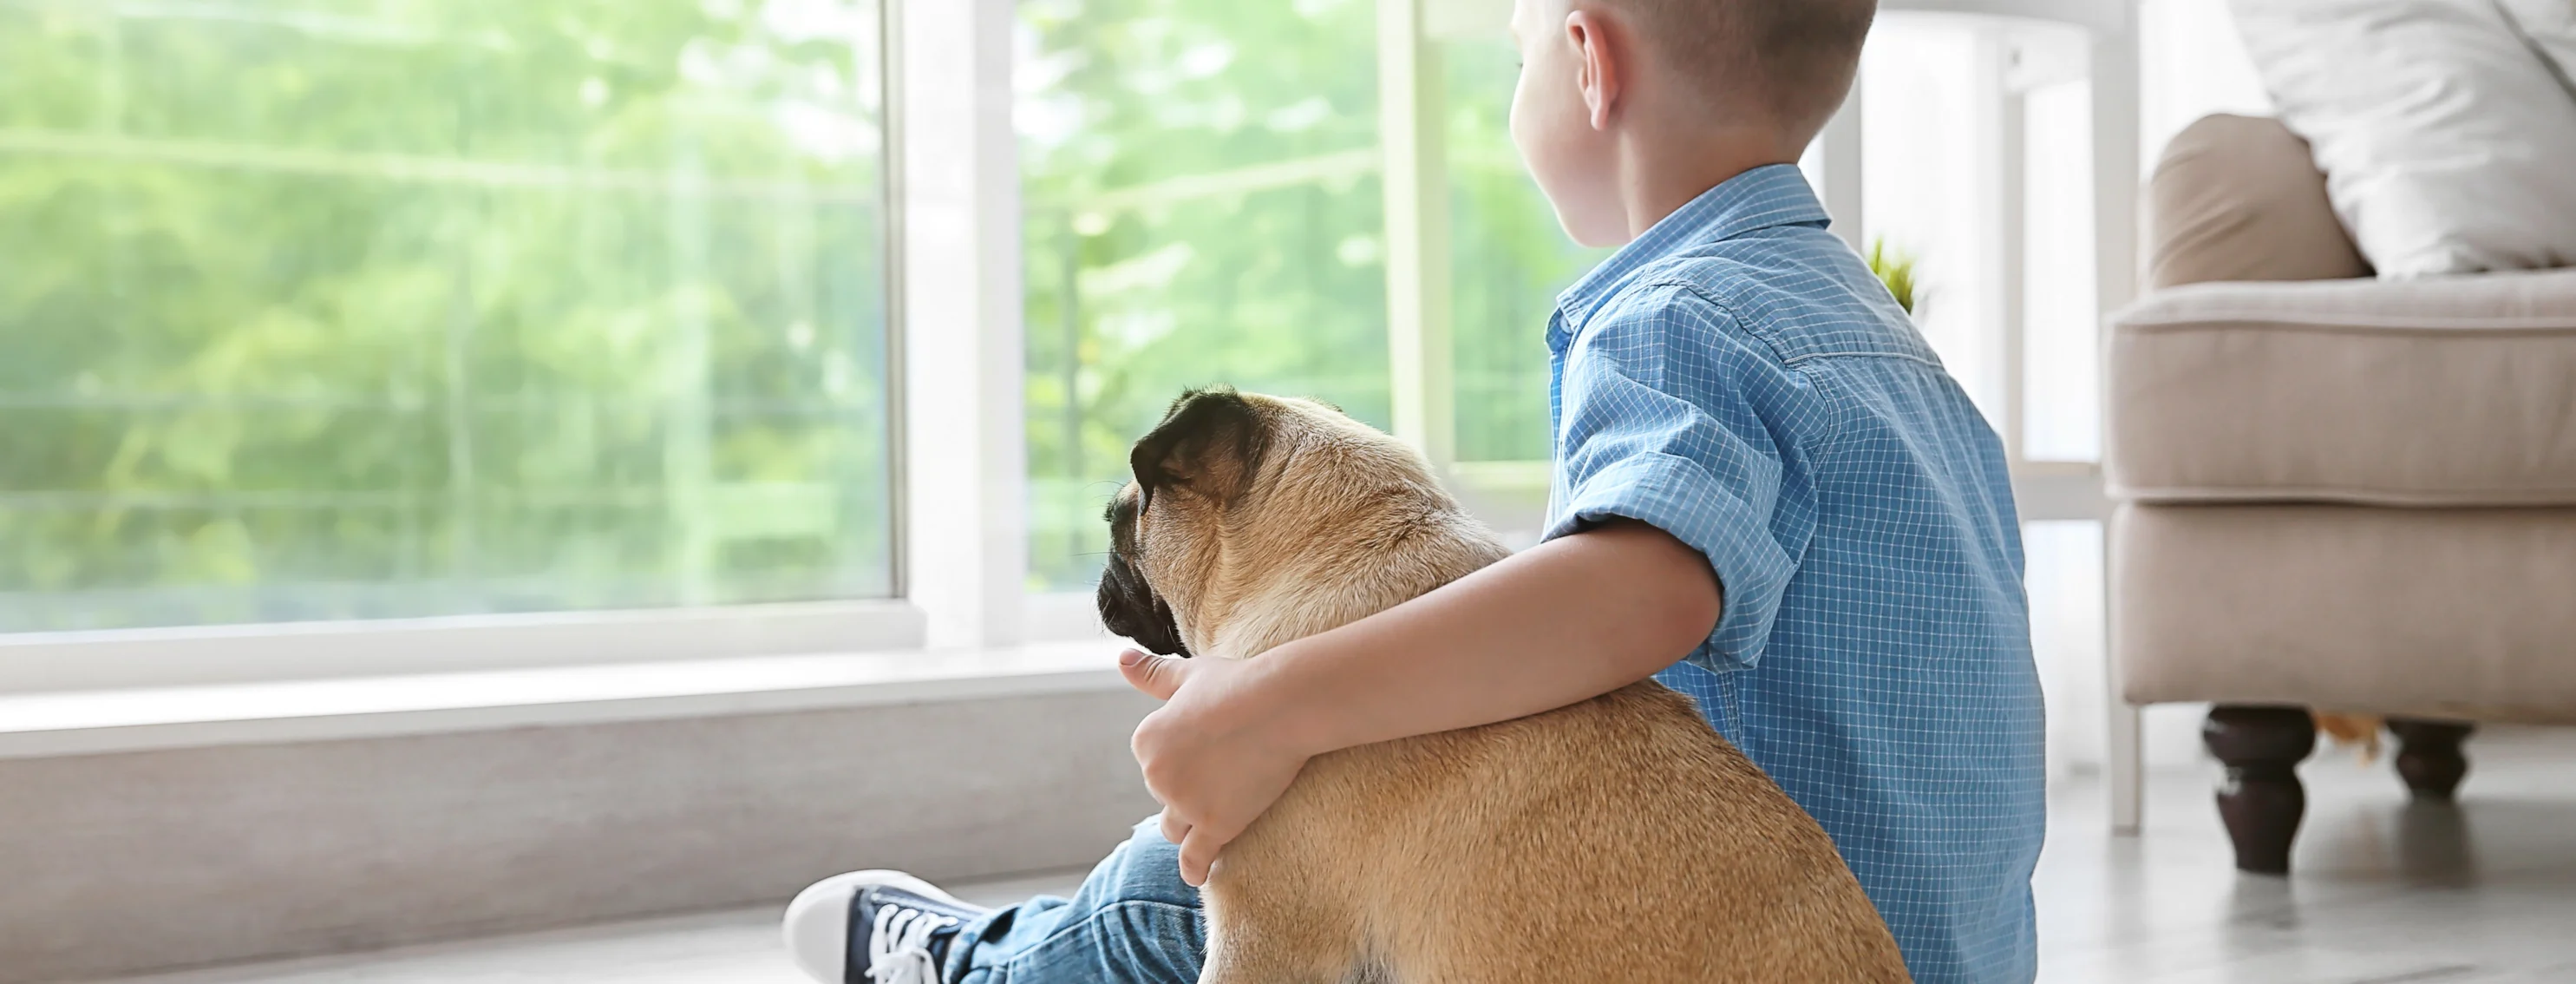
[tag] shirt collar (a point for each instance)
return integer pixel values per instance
(1766, 197)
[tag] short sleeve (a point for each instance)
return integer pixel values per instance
(1672, 417)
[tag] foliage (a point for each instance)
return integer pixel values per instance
(1157, 259)
(1895, 269)
(408, 307)
(1203, 206)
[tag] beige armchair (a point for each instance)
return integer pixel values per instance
(2333, 492)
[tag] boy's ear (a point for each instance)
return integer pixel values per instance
(1210, 443)
(1604, 71)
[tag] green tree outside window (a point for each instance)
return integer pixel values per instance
(1203, 206)
(341, 309)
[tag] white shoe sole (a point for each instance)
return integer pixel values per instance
(817, 925)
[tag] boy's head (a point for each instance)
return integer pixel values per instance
(1600, 78)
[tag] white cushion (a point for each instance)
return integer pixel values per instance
(2446, 140)
(2549, 25)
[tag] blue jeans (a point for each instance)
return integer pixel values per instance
(1133, 921)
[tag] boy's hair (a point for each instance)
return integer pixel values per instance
(1791, 60)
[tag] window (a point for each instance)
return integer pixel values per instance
(1508, 257)
(1202, 206)
(327, 310)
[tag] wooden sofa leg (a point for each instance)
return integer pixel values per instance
(2261, 801)
(2428, 756)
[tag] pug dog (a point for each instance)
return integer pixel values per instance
(1618, 839)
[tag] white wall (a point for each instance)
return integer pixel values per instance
(137, 861)
(2194, 65)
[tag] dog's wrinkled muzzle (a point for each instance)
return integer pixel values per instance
(1129, 607)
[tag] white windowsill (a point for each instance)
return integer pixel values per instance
(224, 655)
(90, 722)
(221, 655)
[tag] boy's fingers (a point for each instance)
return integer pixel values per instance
(1157, 676)
(1198, 854)
(1175, 829)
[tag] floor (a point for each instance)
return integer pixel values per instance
(2382, 892)
(2385, 893)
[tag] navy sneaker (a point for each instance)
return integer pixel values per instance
(874, 927)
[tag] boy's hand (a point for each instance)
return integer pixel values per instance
(1208, 752)
(1491, 646)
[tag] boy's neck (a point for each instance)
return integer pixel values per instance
(1662, 169)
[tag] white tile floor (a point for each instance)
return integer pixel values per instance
(2385, 893)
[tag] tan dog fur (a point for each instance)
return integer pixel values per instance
(2352, 731)
(1619, 839)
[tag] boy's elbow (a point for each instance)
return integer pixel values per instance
(1680, 595)
(1693, 603)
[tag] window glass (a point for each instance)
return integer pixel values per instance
(320, 309)
(1509, 261)
(1200, 179)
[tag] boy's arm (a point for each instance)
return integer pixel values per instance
(1568, 620)
(1572, 619)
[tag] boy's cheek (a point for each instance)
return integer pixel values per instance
(1553, 133)
(1540, 143)
(1554, 162)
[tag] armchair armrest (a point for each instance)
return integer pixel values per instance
(2452, 391)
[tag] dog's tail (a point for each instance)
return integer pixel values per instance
(2350, 730)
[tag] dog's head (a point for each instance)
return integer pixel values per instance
(1256, 519)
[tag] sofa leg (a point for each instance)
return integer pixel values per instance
(2428, 756)
(2261, 801)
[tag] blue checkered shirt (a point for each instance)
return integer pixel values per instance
(1738, 378)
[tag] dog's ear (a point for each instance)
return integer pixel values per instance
(1210, 443)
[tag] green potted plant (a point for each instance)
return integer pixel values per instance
(1895, 268)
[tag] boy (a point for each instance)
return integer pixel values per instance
(1759, 464)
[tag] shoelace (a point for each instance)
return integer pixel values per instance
(899, 950)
